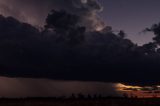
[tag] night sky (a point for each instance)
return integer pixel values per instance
(79, 47)
(132, 16)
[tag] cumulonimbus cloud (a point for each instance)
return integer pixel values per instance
(102, 56)
(35, 11)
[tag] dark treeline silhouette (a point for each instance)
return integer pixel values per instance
(67, 50)
(78, 96)
(80, 102)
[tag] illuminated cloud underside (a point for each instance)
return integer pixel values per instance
(23, 87)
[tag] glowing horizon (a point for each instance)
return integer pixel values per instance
(139, 91)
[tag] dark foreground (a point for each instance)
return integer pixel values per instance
(82, 102)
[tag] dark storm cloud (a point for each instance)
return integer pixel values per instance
(26, 52)
(65, 51)
(35, 11)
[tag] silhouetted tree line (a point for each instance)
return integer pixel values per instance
(99, 96)
(78, 96)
